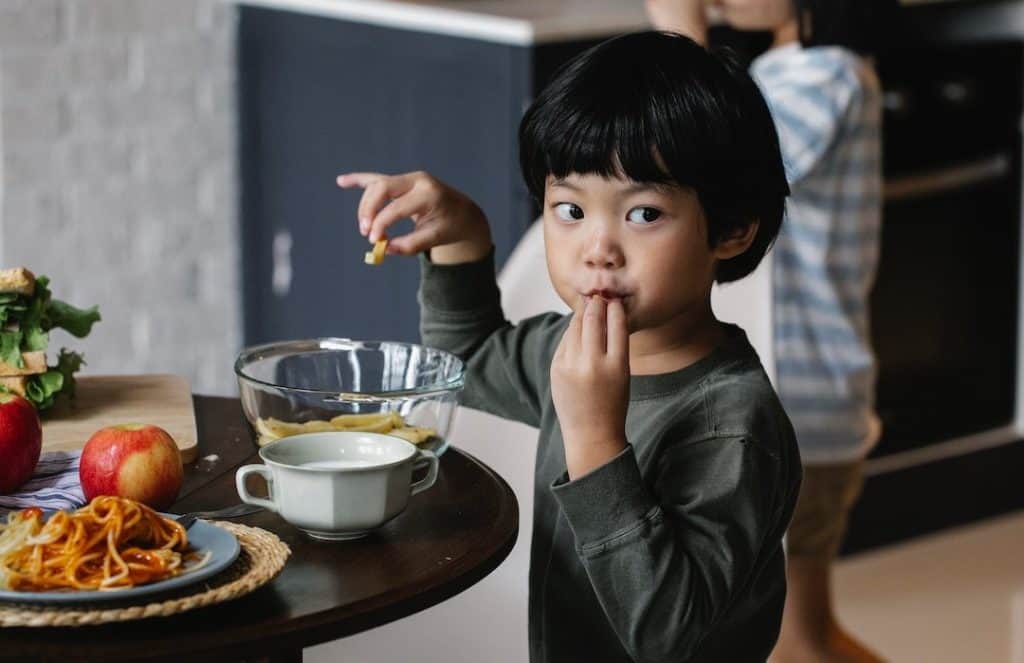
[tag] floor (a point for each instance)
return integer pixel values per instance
(956, 596)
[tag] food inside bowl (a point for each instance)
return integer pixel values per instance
(270, 429)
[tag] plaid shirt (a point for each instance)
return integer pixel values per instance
(826, 102)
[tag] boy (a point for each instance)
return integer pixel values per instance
(666, 469)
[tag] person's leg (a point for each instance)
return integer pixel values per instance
(810, 629)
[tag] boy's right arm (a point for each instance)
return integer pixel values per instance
(460, 311)
(459, 299)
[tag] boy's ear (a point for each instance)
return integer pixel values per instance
(737, 241)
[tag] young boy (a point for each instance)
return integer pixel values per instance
(666, 470)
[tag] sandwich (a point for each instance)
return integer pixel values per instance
(28, 313)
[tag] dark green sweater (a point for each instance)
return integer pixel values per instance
(672, 551)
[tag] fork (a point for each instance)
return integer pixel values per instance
(236, 511)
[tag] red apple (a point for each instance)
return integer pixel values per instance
(136, 461)
(21, 440)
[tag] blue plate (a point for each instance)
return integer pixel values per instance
(202, 536)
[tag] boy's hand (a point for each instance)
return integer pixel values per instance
(590, 385)
(448, 224)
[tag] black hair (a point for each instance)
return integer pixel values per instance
(864, 26)
(658, 108)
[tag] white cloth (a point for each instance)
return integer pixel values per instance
(54, 484)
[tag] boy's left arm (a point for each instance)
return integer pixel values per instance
(666, 563)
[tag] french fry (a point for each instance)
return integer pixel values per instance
(355, 421)
(376, 255)
(414, 434)
(390, 423)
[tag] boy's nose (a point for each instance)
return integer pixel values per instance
(603, 253)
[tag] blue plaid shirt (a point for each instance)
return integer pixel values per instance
(826, 102)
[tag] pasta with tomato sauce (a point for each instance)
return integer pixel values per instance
(111, 543)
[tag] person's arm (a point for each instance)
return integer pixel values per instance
(459, 300)
(506, 365)
(810, 95)
(685, 17)
(665, 564)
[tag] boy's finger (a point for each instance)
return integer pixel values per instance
(595, 327)
(362, 180)
(618, 330)
(571, 338)
(399, 208)
(375, 196)
(423, 238)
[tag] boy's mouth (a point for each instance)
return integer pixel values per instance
(606, 294)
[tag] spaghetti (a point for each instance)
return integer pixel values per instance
(111, 543)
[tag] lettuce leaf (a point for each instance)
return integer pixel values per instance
(43, 389)
(27, 321)
(10, 348)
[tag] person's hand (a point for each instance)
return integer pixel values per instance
(687, 17)
(590, 385)
(447, 223)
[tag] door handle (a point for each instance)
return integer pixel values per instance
(281, 272)
(946, 179)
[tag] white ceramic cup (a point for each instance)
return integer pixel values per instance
(340, 484)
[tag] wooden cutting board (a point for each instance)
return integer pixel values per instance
(106, 400)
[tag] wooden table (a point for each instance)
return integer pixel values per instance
(449, 537)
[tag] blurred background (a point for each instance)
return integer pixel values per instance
(173, 162)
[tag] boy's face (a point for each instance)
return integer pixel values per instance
(645, 244)
(755, 14)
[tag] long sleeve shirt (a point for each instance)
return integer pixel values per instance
(672, 551)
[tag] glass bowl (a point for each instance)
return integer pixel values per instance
(323, 384)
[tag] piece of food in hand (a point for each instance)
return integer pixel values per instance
(111, 543)
(137, 461)
(28, 313)
(390, 423)
(21, 440)
(376, 255)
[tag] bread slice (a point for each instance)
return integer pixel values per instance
(35, 363)
(15, 385)
(18, 280)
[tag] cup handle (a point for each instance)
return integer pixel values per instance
(248, 497)
(432, 464)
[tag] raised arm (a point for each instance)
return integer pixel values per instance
(686, 17)
(459, 300)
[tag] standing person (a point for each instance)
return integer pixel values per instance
(666, 468)
(826, 102)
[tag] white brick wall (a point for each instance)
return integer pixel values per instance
(118, 178)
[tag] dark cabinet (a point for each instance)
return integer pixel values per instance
(321, 96)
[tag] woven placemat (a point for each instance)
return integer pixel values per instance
(261, 558)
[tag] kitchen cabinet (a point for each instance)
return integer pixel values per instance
(321, 95)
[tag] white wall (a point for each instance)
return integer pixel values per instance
(117, 123)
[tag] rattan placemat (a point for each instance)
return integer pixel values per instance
(261, 558)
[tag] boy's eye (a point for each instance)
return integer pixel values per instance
(643, 215)
(569, 211)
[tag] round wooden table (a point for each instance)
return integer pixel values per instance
(449, 537)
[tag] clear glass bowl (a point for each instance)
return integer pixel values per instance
(312, 385)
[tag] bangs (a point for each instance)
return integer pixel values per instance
(601, 141)
(649, 117)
